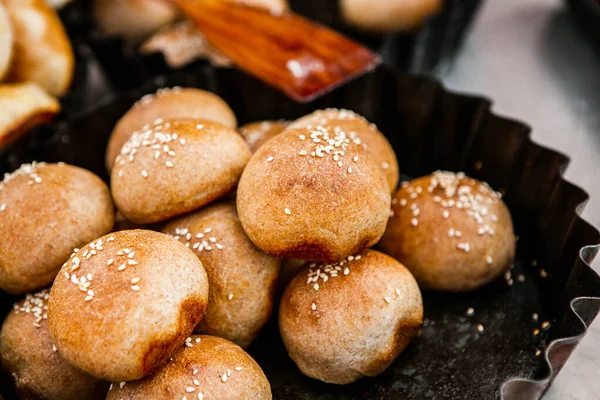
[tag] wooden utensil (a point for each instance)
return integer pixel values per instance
(289, 52)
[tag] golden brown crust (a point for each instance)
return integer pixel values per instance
(373, 140)
(173, 103)
(146, 294)
(213, 367)
(6, 41)
(388, 15)
(48, 209)
(27, 353)
(176, 167)
(133, 19)
(23, 106)
(341, 322)
(312, 207)
(257, 133)
(241, 277)
(474, 244)
(42, 51)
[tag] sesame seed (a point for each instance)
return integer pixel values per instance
(195, 371)
(313, 306)
(445, 214)
(190, 389)
(199, 126)
(385, 165)
(219, 246)
(480, 327)
(270, 158)
(169, 164)
(536, 332)
(200, 396)
(402, 202)
(54, 349)
(135, 288)
(489, 259)
(197, 340)
(230, 296)
(414, 222)
(132, 262)
(302, 152)
(238, 368)
(144, 173)
(543, 273)
(135, 280)
(224, 378)
(355, 159)
(316, 286)
(109, 262)
(122, 267)
(545, 325)
(521, 278)
(470, 311)
(287, 211)
(533, 263)
(535, 317)
(346, 271)
(537, 352)
(349, 170)
(3, 207)
(228, 372)
(302, 137)
(122, 385)
(387, 299)
(196, 382)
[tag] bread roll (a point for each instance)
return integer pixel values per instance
(133, 19)
(207, 367)
(463, 219)
(176, 167)
(6, 41)
(344, 321)
(22, 107)
(42, 51)
(242, 278)
(28, 354)
(257, 133)
(353, 124)
(124, 304)
(384, 16)
(47, 210)
(174, 103)
(302, 197)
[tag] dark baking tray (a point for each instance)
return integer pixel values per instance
(587, 13)
(430, 128)
(430, 46)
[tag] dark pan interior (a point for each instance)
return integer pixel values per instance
(430, 129)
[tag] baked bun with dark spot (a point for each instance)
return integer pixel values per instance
(207, 367)
(343, 321)
(47, 210)
(167, 103)
(463, 219)
(257, 133)
(314, 194)
(28, 354)
(176, 167)
(357, 126)
(124, 304)
(241, 277)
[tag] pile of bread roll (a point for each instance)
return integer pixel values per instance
(36, 65)
(163, 310)
(159, 27)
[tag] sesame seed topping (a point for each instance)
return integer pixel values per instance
(545, 325)
(35, 304)
(489, 259)
(200, 396)
(387, 299)
(270, 158)
(224, 377)
(195, 371)
(470, 311)
(230, 296)
(169, 164)
(54, 349)
(144, 173)
(385, 165)
(197, 340)
(135, 288)
(2, 207)
(313, 306)
(480, 327)
(537, 352)
(238, 368)
(302, 137)
(535, 317)
(190, 389)
(521, 278)
(199, 126)
(543, 273)
(121, 267)
(122, 385)
(466, 247)
(445, 214)
(316, 286)
(536, 332)
(287, 211)
(414, 222)
(135, 280)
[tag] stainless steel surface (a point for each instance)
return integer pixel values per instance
(531, 58)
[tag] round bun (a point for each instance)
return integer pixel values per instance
(38, 370)
(42, 51)
(384, 16)
(176, 167)
(241, 277)
(6, 42)
(175, 103)
(207, 367)
(257, 133)
(356, 126)
(47, 210)
(300, 197)
(123, 304)
(466, 222)
(133, 19)
(343, 321)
